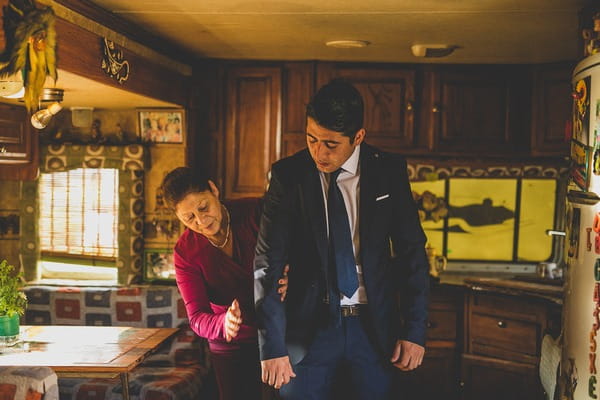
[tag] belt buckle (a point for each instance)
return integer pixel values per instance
(350, 311)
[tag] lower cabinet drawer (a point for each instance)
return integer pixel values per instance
(504, 338)
(441, 325)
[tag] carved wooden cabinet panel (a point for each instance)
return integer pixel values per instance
(551, 110)
(477, 109)
(297, 90)
(251, 128)
(389, 99)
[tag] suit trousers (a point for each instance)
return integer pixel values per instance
(340, 348)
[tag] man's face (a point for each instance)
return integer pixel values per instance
(329, 149)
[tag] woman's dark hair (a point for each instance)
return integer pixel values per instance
(337, 106)
(182, 181)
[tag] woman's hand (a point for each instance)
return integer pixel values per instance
(232, 321)
(283, 283)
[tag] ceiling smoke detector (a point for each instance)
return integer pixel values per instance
(432, 50)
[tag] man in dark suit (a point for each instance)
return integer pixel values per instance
(342, 215)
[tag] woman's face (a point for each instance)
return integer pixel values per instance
(201, 211)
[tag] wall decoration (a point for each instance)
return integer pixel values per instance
(579, 165)
(158, 265)
(581, 110)
(161, 125)
(113, 63)
(30, 47)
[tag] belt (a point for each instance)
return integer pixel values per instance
(351, 311)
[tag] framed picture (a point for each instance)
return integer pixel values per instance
(161, 125)
(158, 265)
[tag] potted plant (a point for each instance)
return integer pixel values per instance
(12, 303)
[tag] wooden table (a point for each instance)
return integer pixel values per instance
(85, 351)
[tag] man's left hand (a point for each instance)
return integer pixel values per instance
(407, 355)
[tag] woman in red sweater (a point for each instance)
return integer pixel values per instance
(215, 275)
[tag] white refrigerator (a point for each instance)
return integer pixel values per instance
(579, 376)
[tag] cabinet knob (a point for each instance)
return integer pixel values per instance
(501, 324)
(409, 106)
(431, 324)
(2, 149)
(436, 109)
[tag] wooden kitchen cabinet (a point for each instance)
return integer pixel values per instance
(252, 115)
(502, 345)
(493, 379)
(389, 95)
(298, 88)
(551, 112)
(481, 109)
(18, 146)
(438, 375)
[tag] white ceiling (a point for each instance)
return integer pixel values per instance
(488, 31)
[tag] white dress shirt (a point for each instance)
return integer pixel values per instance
(349, 184)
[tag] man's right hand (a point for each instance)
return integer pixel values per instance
(277, 372)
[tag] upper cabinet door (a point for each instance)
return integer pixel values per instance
(478, 110)
(551, 111)
(298, 89)
(389, 98)
(252, 128)
(15, 135)
(19, 158)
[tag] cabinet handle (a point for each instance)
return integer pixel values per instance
(436, 109)
(2, 149)
(501, 324)
(409, 106)
(431, 324)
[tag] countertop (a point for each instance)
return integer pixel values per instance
(516, 285)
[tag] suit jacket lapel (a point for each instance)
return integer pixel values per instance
(313, 199)
(368, 189)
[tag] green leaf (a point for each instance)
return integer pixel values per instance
(12, 298)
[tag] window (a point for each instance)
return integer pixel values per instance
(79, 218)
(489, 220)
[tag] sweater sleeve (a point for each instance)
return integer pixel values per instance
(192, 284)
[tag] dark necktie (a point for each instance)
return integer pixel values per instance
(340, 239)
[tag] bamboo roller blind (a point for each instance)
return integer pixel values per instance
(79, 212)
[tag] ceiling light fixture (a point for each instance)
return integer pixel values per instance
(52, 95)
(41, 118)
(17, 95)
(433, 50)
(347, 44)
(11, 86)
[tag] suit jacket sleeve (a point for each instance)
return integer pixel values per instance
(408, 241)
(270, 259)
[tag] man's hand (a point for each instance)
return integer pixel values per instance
(407, 355)
(232, 321)
(277, 372)
(283, 283)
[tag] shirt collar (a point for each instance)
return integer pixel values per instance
(351, 164)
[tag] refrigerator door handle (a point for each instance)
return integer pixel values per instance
(577, 197)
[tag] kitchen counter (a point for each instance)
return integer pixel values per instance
(516, 285)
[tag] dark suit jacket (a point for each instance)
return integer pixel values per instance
(293, 231)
